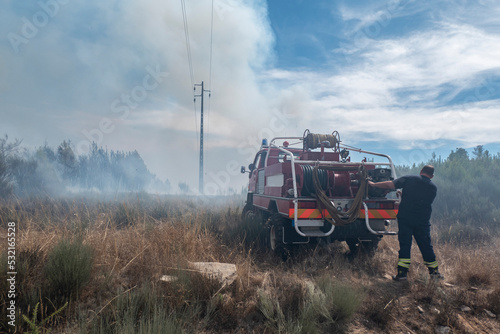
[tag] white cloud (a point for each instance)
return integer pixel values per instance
(399, 89)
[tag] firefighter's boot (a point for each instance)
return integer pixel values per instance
(435, 274)
(402, 274)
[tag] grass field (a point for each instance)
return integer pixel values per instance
(93, 265)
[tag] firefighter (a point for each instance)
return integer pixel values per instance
(413, 219)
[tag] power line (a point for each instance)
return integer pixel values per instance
(190, 61)
(210, 67)
(188, 44)
(188, 49)
(211, 43)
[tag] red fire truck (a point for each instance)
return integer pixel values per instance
(306, 189)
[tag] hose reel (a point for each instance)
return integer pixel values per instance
(309, 186)
(324, 203)
(314, 140)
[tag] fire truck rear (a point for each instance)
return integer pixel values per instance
(306, 189)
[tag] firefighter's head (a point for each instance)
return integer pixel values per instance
(428, 170)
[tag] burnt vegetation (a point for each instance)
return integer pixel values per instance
(105, 259)
(58, 172)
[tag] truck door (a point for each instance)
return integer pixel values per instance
(257, 177)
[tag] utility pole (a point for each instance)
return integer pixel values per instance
(201, 134)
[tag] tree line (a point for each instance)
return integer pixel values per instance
(58, 171)
(468, 187)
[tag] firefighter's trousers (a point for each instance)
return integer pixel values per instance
(421, 231)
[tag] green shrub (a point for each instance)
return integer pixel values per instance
(36, 326)
(341, 299)
(321, 308)
(134, 311)
(271, 310)
(192, 303)
(68, 268)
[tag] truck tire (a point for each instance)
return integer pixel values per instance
(247, 212)
(275, 225)
(255, 227)
(272, 238)
(367, 246)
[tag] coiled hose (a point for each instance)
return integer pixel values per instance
(314, 140)
(309, 187)
(324, 203)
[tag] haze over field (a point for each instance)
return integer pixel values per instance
(404, 77)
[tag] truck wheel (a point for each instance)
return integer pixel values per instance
(365, 246)
(255, 227)
(275, 225)
(369, 247)
(247, 212)
(273, 242)
(353, 244)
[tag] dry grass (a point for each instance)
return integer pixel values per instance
(136, 240)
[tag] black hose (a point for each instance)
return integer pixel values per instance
(309, 188)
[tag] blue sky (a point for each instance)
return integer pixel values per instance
(406, 78)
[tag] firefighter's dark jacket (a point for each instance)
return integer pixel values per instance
(418, 194)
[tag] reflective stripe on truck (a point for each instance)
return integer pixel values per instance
(315, 214)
